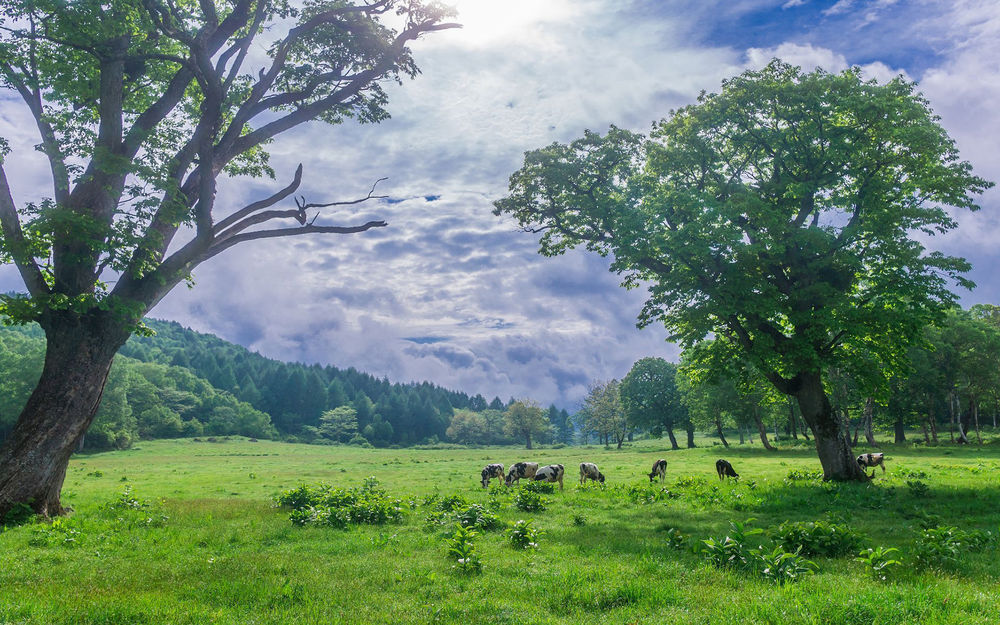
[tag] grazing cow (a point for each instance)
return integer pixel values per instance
(490, 472)
(724, 469)
(519, 470)
(589, 471)
(551, 473)
(870, 461)
(659, 468)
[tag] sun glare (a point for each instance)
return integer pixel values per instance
(487, 20)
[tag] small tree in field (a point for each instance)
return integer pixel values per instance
(526, 420)
(140, 107)
(776, 215)
(651, 400)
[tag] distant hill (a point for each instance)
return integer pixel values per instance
(184, 383)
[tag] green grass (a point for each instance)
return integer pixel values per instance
(225, 554)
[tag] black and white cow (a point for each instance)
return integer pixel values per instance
(870, 460)
(724, 469)
(589, 471)
(519, 470)
(551, 473)
(490, 472)
(659, 468)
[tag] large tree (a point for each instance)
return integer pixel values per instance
(778, 215)
(140, 107)
(526, 420)
(651, 399)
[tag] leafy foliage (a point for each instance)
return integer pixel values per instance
(879, 561)
(817, 538)
(524, 535)
(338, 507)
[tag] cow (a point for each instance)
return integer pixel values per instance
(724, 469)
(589, 471)
(659, 468)
(519, 470)
(490, 472)
(870, 460)
(551, 473)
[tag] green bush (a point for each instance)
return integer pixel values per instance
(528, 500)
(539, 487)
(479, 517)
(461, 548)
(524, 535)
(938, 547)
(879, 561)
(337, 507)
(817, 538)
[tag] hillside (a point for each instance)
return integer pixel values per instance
(179, 382)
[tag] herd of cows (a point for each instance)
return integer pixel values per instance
(589, 471)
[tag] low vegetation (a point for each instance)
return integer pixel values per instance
(265, 532)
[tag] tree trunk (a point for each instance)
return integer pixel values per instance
(742, 438)
(899, 429)
(689, 428)
(974, 408)
(718, 426)
(951, 412)
(868, 418)
(791, 419)
(673, 439)
(833, 448)
(964, 421)
(527, 438)
(33, 459)
(927, 435)
(763, 431)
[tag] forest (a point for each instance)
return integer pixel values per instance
(180, 383)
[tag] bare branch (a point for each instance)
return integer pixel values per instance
(261, 204)
(303, 206)
(287, 232)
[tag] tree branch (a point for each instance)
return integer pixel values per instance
(287, 232)
(15, 243)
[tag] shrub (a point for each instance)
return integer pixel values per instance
(918, 489)
(461, 548)
(451, 503)
(879, 561)
(796, 475)
(60, 531)
(938, 547)
(781, 567)
(19, 514)
(731, 551)
(528, 500)
(524, 535)
(817, 538)
(539, 487)
(478, 516)
(337, 507)
(579, 519)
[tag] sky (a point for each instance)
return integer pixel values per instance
(452, 294)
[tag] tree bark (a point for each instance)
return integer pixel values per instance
(673, 439)
(791, 419)
(832, 446)
(974, 408)
(763, 431)
(527, 437)
(868, 418)
(33, 459)
(689, 428)
(718, 427)
(899, 430)
(927, 435)
(739, 427)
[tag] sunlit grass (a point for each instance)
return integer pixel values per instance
(224, 554)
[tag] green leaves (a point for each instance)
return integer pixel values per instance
(776, 215)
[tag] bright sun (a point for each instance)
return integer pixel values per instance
(484, 20)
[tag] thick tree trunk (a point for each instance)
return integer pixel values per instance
(34, 457)
(763, 431)
(899, 430)
(673, 439)
(689, 428)
(832, 446)
(718, 427)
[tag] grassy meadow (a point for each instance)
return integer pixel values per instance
(211, 547)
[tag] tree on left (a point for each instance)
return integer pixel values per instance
(140, 107)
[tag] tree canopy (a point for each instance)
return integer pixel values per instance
(777, 215)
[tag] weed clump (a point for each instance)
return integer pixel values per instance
(529, 500)
(817, 538)
(524, 535)
(338, 507)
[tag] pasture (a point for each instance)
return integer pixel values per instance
(211, 547)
